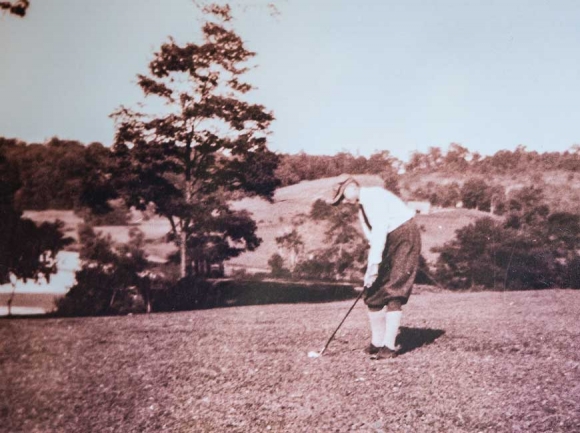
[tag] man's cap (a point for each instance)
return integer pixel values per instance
(339, 191)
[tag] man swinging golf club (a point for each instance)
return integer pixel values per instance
(395, 246)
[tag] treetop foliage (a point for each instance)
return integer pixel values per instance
(531, 248)
(212, 137)
(110, 277)
(210, 141)
(16, 7)
(26, 250)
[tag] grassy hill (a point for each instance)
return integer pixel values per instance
(290, 207)
(154, 230)
(486, 362)
(292, 204)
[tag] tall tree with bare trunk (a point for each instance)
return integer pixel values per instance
(205, 138)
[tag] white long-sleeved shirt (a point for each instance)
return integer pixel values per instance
(385, 212)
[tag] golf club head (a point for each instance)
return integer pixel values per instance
(313, 354)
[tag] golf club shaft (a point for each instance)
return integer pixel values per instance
(342, 321)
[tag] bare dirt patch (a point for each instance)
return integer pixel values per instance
(492, 362)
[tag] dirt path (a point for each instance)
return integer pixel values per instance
(474, 362)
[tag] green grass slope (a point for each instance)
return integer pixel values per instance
(476, 362)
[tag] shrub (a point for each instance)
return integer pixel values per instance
(317, 268)
(110, 280)
(573, 273)
(522, 253)
(96, 293)
(476, 194)
(189, 293)
(277, 268)
(119, 215)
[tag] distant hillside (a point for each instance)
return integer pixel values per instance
(291, 206)
(440, 226)
(154, 230)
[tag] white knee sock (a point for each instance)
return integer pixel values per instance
(393, 321)
(378, 325)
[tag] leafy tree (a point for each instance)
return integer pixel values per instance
(444, 195)
(220, 234)
(417, 162)
(61, 174)
(320, 210)
(291, 244)
(497, 199)
(209, 139)
(110, 277)
(318, 267)
(529, 250)
(475, 194)
(563, 230)
(277, 268)
(345, 256)
(573, 273)
(296, 168)
(527, 208)
(27, 251)
(470, 259)
(16, 7)
(435, 157)
(97, 191)
(455, 159)
(384, 164)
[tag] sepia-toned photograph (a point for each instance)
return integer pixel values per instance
(289, 216)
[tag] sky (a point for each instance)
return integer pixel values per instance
(339, 75)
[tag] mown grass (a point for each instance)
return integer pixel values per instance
(496, 362)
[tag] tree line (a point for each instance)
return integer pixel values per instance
(67, 174)
(459, 159)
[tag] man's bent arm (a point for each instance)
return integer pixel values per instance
(378, 242)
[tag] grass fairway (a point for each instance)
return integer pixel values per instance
(494, 362)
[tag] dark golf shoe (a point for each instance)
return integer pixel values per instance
(372, 350)
(386, 353)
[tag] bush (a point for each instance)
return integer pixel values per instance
(317, 268)
(189, 293)
(476, 194)
(573, 273)
(522, 253)
(97, 293)
(110, 280)
(277, 268)
(119, 215)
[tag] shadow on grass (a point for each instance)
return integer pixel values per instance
(240, 293)
(193, 294)
(413, 338)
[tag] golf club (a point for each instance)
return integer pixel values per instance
(313, 354)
